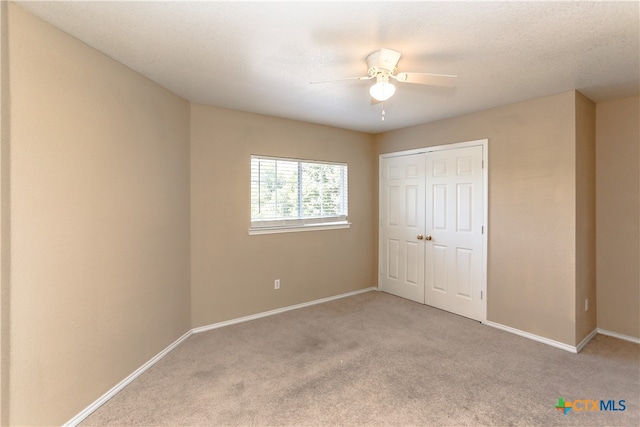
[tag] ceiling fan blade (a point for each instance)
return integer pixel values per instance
(433, 79)
(340, 80)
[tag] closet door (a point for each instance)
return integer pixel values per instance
(402, 225)
(454, 231)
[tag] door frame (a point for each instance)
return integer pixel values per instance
(484, 143)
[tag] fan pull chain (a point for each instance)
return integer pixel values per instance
(383, 112)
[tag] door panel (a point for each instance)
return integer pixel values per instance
(402, 220)
(413, 263)
(463, 272)
(393, 258)
(439, 207)
(412, 206)
(454, 254)
(393, 205)
(465, 203)
(438, 266)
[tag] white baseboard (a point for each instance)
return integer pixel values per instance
(534, 337)
(619, 336)
(277, 311)
(586, 340)
(122, 384)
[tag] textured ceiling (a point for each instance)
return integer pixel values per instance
(261, 56)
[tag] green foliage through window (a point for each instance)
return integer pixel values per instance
(289, 189)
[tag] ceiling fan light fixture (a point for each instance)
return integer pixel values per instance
(382, 90)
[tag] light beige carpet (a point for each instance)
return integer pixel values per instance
(375, 359)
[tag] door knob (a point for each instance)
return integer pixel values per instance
(420, 237)
(428, 237)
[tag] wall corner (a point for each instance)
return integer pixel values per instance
(585, 204)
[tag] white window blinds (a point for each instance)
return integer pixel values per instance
(291, 192)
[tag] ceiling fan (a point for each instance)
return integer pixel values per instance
(382, 65)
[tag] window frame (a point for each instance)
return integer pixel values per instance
(288, 225)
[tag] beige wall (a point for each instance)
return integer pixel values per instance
(586, 321)
(532, 207)
(232, 272)
(618, 215)
(129, 212)
(99, 209)
(4, 215)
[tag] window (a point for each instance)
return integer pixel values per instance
(296, 195)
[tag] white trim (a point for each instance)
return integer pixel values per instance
(300, 218)
(619, 336)
(294, 159)
(586, 340)
(453, 145)
(122, 384)
(277, 311)
(533, 337)
(296, 228)
(484, 143)
(485, 224)
(380, 198)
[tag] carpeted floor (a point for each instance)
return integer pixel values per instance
(375, 359)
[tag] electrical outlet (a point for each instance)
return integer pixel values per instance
(276, 284)
(586, 304)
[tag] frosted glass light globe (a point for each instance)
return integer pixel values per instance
(382, 90)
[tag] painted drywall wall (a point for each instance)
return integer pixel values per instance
(618, 215)
(102, 268)
(99, 222)
(4, 215)
(532, 204)
(233, 272)
(586, 320)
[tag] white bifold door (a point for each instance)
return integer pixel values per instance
(431, 229)
(402, 218)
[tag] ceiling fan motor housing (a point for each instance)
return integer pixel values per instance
(383, 61)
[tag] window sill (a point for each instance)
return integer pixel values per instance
(297, 228)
